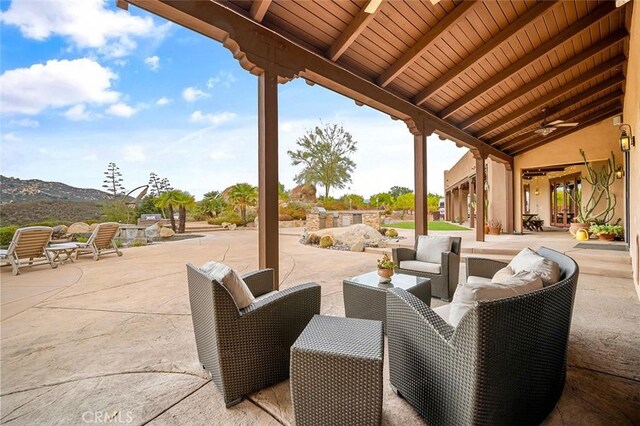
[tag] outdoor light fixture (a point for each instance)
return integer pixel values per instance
(619, 172)
(537, 191)
(626, 140)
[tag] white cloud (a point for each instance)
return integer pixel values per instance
(25, 122)
(133, 153)
(220, 154)
(153, 62)
(83, 23)
(223, 78)
(78, 113)
(56, 84)
(90, 157)
(121, 110)
(213, 119)
(163, 101)
(192, 94)
(11, 137)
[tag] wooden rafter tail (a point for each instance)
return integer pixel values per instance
(259, 9)
(354, 29)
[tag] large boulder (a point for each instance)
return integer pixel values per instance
(79, 228)
(358, 246)
(153, 231)
(350, 235)
(166, 233)
(305, 193)
(59, 231)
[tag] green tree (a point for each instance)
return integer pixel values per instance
(397, 191)
(183, 201)
(382, 200)
(241, 196)
(168, 200)
(324, 153)
(212, 204)
(353, 201)
(433, 202)
(283, 194)
(112, 182)
(148, 206)
(406, 201)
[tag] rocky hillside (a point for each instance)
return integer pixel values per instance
(13, 190)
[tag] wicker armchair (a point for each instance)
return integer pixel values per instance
(505, 363)
(247, 349)
(444, 284)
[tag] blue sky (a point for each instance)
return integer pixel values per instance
(84, 83)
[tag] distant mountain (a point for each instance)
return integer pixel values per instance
(13, 190)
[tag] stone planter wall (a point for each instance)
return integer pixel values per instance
(291, 223)
(317, 221)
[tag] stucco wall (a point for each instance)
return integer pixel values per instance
(631, 116)
(598, 141)
(496, 177)
(465, 167)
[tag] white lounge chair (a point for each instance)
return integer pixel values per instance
(101, 241)
(29, 244)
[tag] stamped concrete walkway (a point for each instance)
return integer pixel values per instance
(112, 341)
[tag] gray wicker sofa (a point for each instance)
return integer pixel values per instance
(248, 349)
(505, 363)
(444, 284)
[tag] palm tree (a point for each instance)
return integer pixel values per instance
(184, 201)
(167, 200)
(243, 195)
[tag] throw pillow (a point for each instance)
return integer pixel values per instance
(430, 248)
(529, 260)
(235, 285)
(502, 275)
(468, 294)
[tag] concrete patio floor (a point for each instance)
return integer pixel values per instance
(114, 338)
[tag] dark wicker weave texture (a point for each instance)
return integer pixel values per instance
(336, 372)
(444, 284)
(505, 363)
(367, 302)
(248, 349)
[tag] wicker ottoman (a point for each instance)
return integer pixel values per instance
(336, 372)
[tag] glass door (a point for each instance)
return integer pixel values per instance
(563, 192)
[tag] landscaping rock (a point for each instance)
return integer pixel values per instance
(153, 231)
(93, 226)
(79, 228)
(232, 226)
(359, 246)
(59, 231)
(166, 233)
(305, 193)
(326, 241)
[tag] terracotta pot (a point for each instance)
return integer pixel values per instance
(495, 230)
(606, 237)
(575, 226)
(385, 275)
(486, 229)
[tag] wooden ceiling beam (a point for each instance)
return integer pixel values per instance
(562, 90)
(353, 30)
(529, 16)
(259, 9)
(586, 54)
(571, 31)
(594, 105)
(607, 84)
(257, 48)
(426, 41)
(597, 117)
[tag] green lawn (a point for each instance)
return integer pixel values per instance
(433, 226)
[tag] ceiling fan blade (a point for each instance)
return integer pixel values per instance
(553, 123)
(566, 124)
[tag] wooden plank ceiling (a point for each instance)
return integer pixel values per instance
(486, 67)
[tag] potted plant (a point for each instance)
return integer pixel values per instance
(607, 232)
(495, 227)
(386, 266)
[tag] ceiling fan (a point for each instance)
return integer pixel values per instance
(546, 128)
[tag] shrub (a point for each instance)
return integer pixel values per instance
(391, 233)
(314, 239)
(284, 217)
(50, 223)
(295, 209)
(326, 241)
(137, 243)
(383, 231)
(81, 239)
(228, 216)
(6, 235)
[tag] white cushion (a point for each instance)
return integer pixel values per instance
(430, 248)
(231, 281)
(472, 279)
(529, 260)
(468, 294)
(503, 275)
(443, 312)
(415, 265)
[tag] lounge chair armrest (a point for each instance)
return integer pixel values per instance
(401, 253)
(259, 282)
(301, 298)
(401, 305)
(481, 267)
